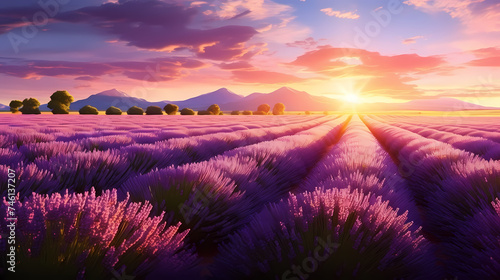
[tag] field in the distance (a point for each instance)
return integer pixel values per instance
(345, 196)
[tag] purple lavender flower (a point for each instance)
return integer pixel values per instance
(69, 235)
(339, 234)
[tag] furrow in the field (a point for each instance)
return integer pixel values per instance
(454, 190)
(465, 130)
(31, 151)
(358, 161)
(214, 197)
(98, 132)
(79, 170)
(482, 147)
(326, 207)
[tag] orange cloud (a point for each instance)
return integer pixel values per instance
(328, 58)
(382, 75)
(488, 57)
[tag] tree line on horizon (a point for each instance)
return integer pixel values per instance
(60, 102)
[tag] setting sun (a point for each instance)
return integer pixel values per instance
(352, 97)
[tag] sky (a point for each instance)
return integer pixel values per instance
(358, 50)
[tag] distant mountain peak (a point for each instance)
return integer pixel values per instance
(223, 91)
(113, 92)
(286, 90)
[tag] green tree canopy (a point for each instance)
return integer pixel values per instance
(60, 102)
(113, 111)
(134, 110)
(15, 105)
(88, 110)
(187, 111)
(264, 108)
(154, 110)
(171, 109)
(279, 109)
(30, 106)
(204, 113)
(214, 108)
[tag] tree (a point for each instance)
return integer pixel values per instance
(247, 113)
(235, 113)
(187, 111)
(279, 109)
(264, 108)
(221, 113)
(214, 108)
(307, 112)
(113, 111)
(30, 106)
(134, 110)
(60, 102)
(154, 110)
(171, 109)
(15, 105)
(259, 113)
(88, 110)
(204, 113)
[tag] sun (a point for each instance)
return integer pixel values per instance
(352, 97)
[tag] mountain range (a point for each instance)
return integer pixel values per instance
(294, 100)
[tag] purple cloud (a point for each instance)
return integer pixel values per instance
(161, 69)
(157, 25)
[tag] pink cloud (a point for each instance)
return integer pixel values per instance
(487, 57)
(479, 16)
(307, 43)
(338, 14)
(412, 40)
(329, 58)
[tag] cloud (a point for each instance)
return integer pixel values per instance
(328, 58)
(339, 14)
(412, 40)
(307, 43)
(235, 65)
(156, 25)
(382, 75)
(264, 77)
(86, 78)
(258, 9)
(477, 15)
(487, 57)
(161, 69)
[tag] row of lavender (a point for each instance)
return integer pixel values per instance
(231, 186)
(352, 217)
(457, 194)
(55, 166)
(480, 146)
(326, 202)
(484, 127)
(98, 130)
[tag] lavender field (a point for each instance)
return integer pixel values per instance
(250, 197)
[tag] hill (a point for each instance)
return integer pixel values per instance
(201, 102)
(108, 98)
(294, 100)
